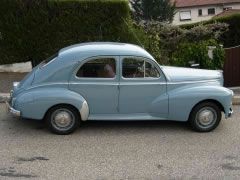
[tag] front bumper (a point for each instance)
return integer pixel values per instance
(230, 113)
(13, 111)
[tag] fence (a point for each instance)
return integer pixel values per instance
(232, 67)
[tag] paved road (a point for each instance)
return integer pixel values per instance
(119, 150)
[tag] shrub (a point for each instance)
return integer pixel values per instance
(198, 53)
(35, 29)
(229, 38)
(166, 38)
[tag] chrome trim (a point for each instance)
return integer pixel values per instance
(94, 83)
(62, 119)
(230, 113)
(47, 84)
(13, 111)
(15, 84)
(84, 111)
(192, 81)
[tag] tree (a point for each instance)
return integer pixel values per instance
(157, 10)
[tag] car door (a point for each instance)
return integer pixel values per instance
(143, 88)
(97, 80)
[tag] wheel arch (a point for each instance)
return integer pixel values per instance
(62, 104)
(211, 101)
(83, 111)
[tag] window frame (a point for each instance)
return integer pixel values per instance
(190, 12)
(140, 78)
(200, 10)
(81, 63)
(211, 9)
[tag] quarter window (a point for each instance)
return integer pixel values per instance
(138, 68)
(98, 68)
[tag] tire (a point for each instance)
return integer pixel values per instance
(62, 119)
(205, 117)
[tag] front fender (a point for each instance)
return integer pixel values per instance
(34, 103)
(183, 99)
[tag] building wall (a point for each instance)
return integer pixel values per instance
(194, 13)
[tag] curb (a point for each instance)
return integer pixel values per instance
(236, 100)
(5, 97)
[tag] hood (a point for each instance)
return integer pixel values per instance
(177, 74)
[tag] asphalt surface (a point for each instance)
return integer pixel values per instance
(119, 150)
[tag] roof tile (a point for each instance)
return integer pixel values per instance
(190, 3)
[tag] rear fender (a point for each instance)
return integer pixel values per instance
(34, 103)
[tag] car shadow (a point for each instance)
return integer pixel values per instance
(137, 125)
(110, 126)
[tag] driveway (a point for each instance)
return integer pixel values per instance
(119, 150)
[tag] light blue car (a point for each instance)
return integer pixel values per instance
(115, 81)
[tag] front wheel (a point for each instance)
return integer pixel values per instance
(62, 119)
(205, 117)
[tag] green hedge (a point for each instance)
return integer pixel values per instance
(35, 29)
(197, 52)
(229, 38)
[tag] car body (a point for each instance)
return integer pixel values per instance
(116, 81)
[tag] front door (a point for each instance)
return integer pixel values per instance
(143, 89)
(96, 79)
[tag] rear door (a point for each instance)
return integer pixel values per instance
(96, 79)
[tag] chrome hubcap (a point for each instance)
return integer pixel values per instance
(206, 117)
(62, 119)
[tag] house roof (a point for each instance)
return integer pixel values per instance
(228, 12)
(191, 3)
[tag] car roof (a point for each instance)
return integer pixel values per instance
(105, 48)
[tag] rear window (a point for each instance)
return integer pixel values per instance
(48, 60)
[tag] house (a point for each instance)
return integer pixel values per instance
(192, 11)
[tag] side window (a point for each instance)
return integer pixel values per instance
(98, 68)
(138, 68)
(151, 70)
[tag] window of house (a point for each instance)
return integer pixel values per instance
(227, 8)
(200, 12)
(211, 11)
(138, 68)
(185, 15)
(98, 68)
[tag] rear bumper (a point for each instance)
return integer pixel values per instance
(13, 111)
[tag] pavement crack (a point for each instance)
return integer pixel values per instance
(230, 166)
(39, 158)
(11, 172)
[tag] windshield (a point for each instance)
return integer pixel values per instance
(48, 60)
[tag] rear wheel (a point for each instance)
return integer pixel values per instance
(62, 119)
(205, 117)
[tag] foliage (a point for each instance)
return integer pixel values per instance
(157, 10)
(229, 38)
(36, 29)
(197, 52)
(170, 39)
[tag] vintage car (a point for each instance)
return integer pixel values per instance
(116, 81)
